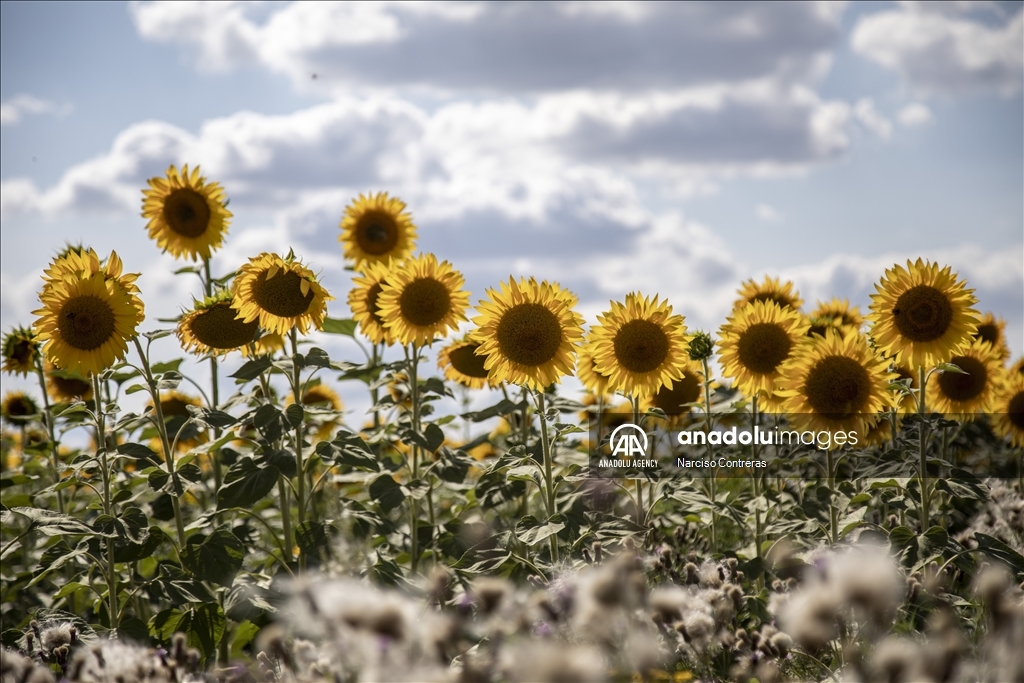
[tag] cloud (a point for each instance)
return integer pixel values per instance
(767, 213)
(870, 118)
(504, 47)
(14, 110)
(914, 114)
(944, 53)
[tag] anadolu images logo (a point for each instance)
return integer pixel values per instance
(631, 443)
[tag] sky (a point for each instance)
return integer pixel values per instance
(671, 149)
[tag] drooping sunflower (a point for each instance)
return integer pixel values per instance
(213, 327)
(325, 398)
(586, 369)
(188, 216)
(922, 314)
(364, 300)
(20, 351)
(174, 405)
(961, 396)
(422, 300)
(1008, 411)
(835, 383)
(754, 343)
(280, 293)
(529, 332)
(87, 318)
(18, 408)
(462, 364)
(639, 345)
(993, 330)
(770, 289)
(64, 386)
(841, 312)
(376, 227)
(1017, 368)
(687, 389)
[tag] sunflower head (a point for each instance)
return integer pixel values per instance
(639, 345)
(754, 343)
(462, 364)
(64, 386)
(18, 408)
(323, 398)
(819, 326)
(188, 216)
(174, 405)
(279, 293)
(879, 433)
(20, 351)
(676, 400)
(922, 314)
(213, 327)
(375, 228)
(88, 316)
(770, 289)
(841, 313)
(364, 300)
(586, 369)
(422, 300)
(1017, 368)
(835, 383)
(993, 331)
(529, 332)
(1008, 410)
(961, 395)
(267, 345)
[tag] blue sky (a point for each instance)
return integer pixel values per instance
(676, 149)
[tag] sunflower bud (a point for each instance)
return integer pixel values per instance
(701, 346)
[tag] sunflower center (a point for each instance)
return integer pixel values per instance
(958, 387)
(922, 314)
(376, 233)
(186, 212)
(86, 322)
(219, 328)
(22, 352)
(20, 407)
(465, 360)
(371, 302)
(315, 396)
(425, 302)
(837, 387)
(282, 294)
(1015, 410)
(764, 297)
(69, 386)
(763, 346)
(683, 391)
(987, 332)
(174, 407)
(641, 346)
(529, 334)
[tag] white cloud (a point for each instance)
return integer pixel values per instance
(944, 53)
(871, 119)
(915, 114)
(14, 110)
(767, 213)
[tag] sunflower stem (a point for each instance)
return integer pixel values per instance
(300, 493)
(218, 476)
(161, 426)
(758, 536)
(641, 515)
(282, 491)
(923, 448)
(51, 431)
(833, 512)
(549, 481)
(375, 391)
(414, 396)
(711, 452)
(108, 508)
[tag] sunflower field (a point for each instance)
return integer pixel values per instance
(241, 526)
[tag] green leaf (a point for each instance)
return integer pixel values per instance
(346, 327)
(531, 531)
(949, 367)
(136, 450)
(133, 552)
(931, 543)
(502, 407)
(215, 558)
(157, 334)
(169, 381)
(312, 538)
(245, 484)
(996, 549)
(135, 388)
(217, 419)
(348, 449)
(169, 366)
(386, 491)
(252, 369)
(203, 625)
(434, 436)
(267, 420)
(52, 523)
(318, 358)
(294, 414)
(283, 461)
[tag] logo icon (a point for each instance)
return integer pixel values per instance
(629, 441)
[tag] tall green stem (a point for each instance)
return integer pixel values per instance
(549, 478)
(300, 466)
(923, 448)
(218, 476)
(758, 536)
(414, 397)
(833, 512)
(712, 484)
(108, 507)
(51, 431)
(641, 514)
(282, 490)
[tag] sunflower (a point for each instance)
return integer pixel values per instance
(993, 330)
(462, 364)
(267, 345)
(88, 318)
(1008, 411)
(819, 325)
(592, 380)
(908, 403)
(674, 399)
(835, 383)
(922, 315)
(960, 396)
(323, 397)
(422, 299)
(213, 327)
(754, 343)
(174, 405)
(528, 331)
(770, 289)
(363, 300)
(281, 293)
(1017, 369)
(64, 386)
(879, 433)
(375, 228)
(841, 312)
(18, 408)
(187, 215)
(20, 351)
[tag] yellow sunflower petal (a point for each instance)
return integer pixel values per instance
(279, 304)
(754, 343)
(376, 228)
(213, 327)
(1008, 410)
(462, 364)
(422, 300)
(960, 396)
(188, 216)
